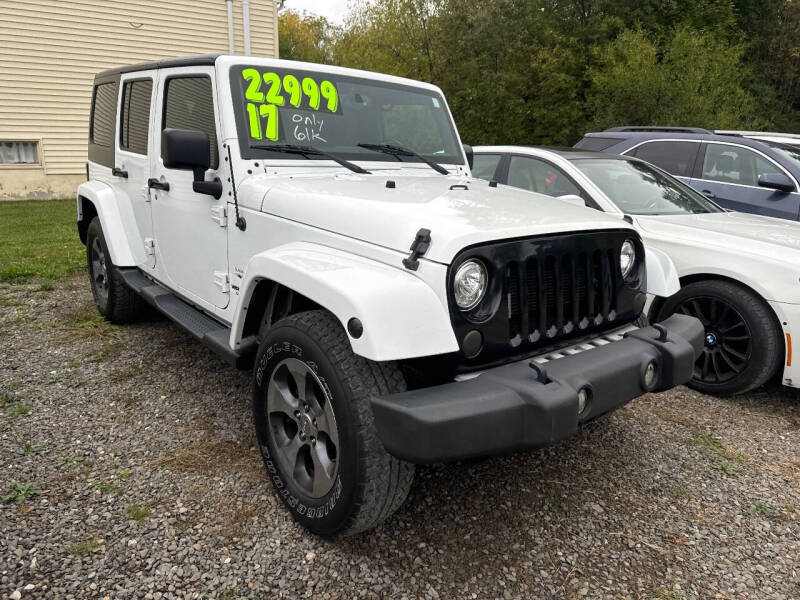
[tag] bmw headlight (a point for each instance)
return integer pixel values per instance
(627, 258)
(469, 284)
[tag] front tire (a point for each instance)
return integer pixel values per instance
(117, 302)
(314, 422)
(743, 342)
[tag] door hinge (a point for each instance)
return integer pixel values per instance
(149, 246)
(220, 215)
(222, 281)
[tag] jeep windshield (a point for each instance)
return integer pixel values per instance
(639, 189)
(340, 115)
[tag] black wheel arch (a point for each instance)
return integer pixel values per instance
(88, 212)
(270, 302)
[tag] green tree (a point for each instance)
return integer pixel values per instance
(305, 37)
(692, 78)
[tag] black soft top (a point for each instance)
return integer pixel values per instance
(193, 60)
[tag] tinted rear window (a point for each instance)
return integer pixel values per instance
(135, 117)
(597, 143)
(104, 109)
(676, 158)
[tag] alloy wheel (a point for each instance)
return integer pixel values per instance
(303, 426)
(99, 269)
(727, 346)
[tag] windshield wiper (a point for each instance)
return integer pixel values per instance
(310, 151)
(398, 151)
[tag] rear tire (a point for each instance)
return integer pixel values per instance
(117, 302)
(316, 430)
(744, 342)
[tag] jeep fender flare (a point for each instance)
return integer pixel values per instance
(662, 276)
(402, 316)
(108, 210)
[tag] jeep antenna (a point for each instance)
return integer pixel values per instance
(240, 222)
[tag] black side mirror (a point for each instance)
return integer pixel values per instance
(776, 181)
(189, 149)
(470, 155)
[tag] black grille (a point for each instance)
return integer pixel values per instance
(553, 296)
(545, 292)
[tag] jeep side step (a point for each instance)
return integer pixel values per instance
(212, 333)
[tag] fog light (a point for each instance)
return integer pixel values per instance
(583, 398)
(650, 375)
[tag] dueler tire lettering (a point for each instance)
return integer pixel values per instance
(369, 484)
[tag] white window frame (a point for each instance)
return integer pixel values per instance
(39, 154)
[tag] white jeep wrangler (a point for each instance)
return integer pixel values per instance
(321, 225)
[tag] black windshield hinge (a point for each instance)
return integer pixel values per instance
(419, 247)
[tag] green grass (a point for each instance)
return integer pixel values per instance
(759, 509)
(83, 548)
(40, 240)
(20, 492)
(138, 513)
(723, 460)
(109, 488)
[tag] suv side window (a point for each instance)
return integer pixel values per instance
(676, 158)
(135, 115)
(484, 166)
(539, 176)
(189, 104)
(734, 164)
(104, 109)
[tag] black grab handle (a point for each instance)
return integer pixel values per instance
(117, 172)
(158, 185)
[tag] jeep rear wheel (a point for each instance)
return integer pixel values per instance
(314, 422)
(116, 301)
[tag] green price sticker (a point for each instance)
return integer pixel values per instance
(266, 93)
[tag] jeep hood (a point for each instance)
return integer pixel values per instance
(366, 208)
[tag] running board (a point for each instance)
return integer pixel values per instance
(210, 332)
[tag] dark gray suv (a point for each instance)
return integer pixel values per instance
(736, 172)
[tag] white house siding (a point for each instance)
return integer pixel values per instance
(50, 51)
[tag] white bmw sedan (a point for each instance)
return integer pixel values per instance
(740, 273)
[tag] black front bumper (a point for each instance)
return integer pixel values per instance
(508, 408)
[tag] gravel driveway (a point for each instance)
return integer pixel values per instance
(129, 471)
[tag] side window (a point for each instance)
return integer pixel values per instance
(135, 115)
(734, 164)
(104, 109)
(539, 176)
(189, 104)
(676, 158)
(484, 166)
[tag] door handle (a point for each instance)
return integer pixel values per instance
(117, 172)
(157, 185)
(709, 194)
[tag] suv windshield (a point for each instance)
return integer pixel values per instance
(639, 189)
(335, 113)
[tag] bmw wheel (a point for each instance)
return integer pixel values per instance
(743, 341)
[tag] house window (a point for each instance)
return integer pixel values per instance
(19, 153)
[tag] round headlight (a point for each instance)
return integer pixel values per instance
(627, 258)
(469, 284)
